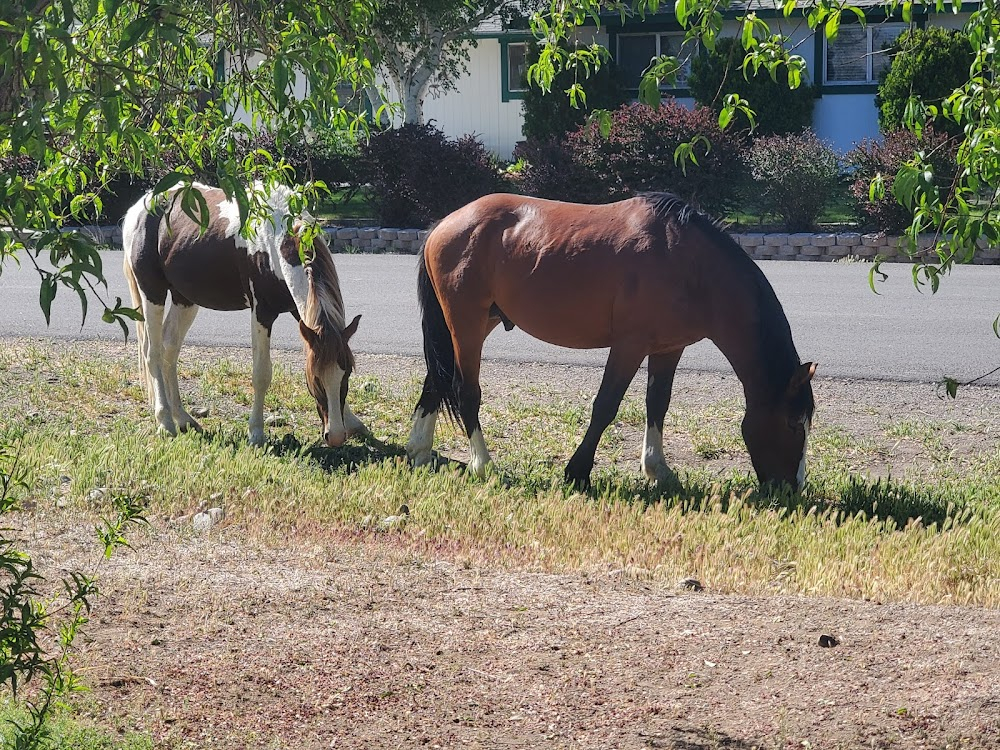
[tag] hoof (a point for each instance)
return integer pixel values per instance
(420, 457)
(189, 425)
(257, 438)
(658, 473)
(359, 431)
(166, 430)
(579, 482)
(478, 469)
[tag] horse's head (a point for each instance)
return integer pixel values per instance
(777, 433)
(329, 362)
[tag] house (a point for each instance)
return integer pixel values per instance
(487, 100)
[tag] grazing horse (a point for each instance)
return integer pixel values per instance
(646, 277)
(213, 266)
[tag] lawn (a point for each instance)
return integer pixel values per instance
(85, 435)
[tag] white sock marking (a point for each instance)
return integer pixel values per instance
(262, 374)
(654, 465)
(480, 453)
(421, 440)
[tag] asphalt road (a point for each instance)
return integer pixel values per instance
(836, 320)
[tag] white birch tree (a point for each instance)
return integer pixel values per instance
(424, 47)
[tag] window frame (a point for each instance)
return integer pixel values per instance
(680, 87)
(870, 82)
(507, 93)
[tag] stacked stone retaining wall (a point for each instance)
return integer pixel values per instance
(809, 246)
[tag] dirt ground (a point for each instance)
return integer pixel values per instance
(354, 642)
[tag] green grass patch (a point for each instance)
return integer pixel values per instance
(931, 538)
(66, 732)
(343, 204)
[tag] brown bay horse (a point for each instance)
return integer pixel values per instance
(169, 253)
(646, 277)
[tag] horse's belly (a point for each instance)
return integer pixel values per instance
(573, 323)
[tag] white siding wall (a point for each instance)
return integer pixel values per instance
(476, 106)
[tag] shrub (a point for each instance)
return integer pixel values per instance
(778, 109)
(872, 158)
(550, 116)
(413, 175)
(930, 64)
(334, 156)
(638, 154)
(551, 171)
(793, 176)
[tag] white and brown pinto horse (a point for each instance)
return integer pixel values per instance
(213, 266)
(646, 277)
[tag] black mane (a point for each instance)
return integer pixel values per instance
(778, 352)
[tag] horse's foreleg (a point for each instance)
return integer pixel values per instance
(623, 362)
(175, 328)
(353, 423)
(153, 315)
(421, 440)
(658, 388)
(260, 337)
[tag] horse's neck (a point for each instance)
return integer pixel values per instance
(296, 279)
(740, 335)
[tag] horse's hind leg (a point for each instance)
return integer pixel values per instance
(659, 385)
(421, 441)
(468, 356)
(153, 315)
(175, 328)
(623, 362)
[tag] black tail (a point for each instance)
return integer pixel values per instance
(439, 351)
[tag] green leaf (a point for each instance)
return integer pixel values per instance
(950, 386)
(908, 12)
(874, 271)
(169, 180)
(111, 8)
(46, 294)
(649, 91)
(725, 116)
(135, 31)
(280, 74)
(681, 11)
(833, 26)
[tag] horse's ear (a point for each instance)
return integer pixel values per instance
(802, 375)
(308, 334)
(352, 328)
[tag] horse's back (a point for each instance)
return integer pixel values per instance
(570, 274)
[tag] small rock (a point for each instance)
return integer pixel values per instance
(62, 502)
(691, 584)
(207, 519)
(828, 641)
(64, 479)
(97, 493)
(392, 522)
(199, 412)
(276, 420)
(368, 521)
(215, 497)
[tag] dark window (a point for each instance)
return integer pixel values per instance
(517, 67)
(635, 51)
